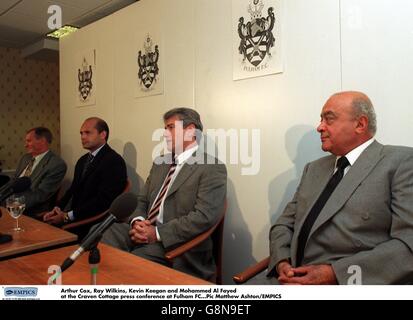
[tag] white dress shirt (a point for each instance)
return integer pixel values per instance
(353, 155)
(37, 159)
(180, 160)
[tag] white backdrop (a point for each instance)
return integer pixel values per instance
(328, 45)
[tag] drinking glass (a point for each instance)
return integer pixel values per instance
(15, 205)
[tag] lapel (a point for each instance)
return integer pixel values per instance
(23, 165)
(354, 177)
(183, 174)
(39, 168)
(186, 171)
(95, 163)
(322, 175)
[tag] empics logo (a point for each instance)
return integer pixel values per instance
(20, 292)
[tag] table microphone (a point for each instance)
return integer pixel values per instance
(120, 210)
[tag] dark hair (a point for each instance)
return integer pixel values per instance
(100, 126)
(42, 132)
(187, 116)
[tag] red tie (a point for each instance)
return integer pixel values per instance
(153, 213)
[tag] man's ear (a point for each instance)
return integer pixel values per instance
(103, 135)
(190, 131)
(362, 124)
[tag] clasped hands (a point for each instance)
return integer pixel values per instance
(55, 217)
(309, 274)
(142, 232)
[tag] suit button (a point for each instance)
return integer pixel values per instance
(365, 216)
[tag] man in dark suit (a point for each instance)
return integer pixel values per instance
(183, 197)
(351, 218)
(100, 176)
(45, 169)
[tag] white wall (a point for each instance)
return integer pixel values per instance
(328, 45)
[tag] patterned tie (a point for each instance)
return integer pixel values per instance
(29, 168)
(153, 213)
(87, 164)
(342, 163)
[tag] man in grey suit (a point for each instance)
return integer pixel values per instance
(183, 196)
(45, 169)
(351, 218)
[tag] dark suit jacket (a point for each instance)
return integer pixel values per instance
(367, 223)
(194, 203)
(46, 179)
(103, 181)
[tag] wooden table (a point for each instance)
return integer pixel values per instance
(117, 267)
(36, 236)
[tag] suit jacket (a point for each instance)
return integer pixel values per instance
(367, 222)
(103, 181)
(46, 179)
(193, 204)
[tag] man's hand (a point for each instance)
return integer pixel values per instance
(142, 232)
(56, 216)
(311, 274)
(284, 270)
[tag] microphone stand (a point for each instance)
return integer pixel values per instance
(94, 260)
(91, 245)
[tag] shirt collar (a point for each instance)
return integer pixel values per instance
(353, 155)
(40, 156)
(184, 156)
(94, 153)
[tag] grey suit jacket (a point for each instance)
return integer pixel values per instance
(367, 222)
(46, 179)
(193, 204)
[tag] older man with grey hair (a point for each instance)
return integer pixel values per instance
(183, 197)
(351, 218)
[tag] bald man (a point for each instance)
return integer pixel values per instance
(351, 218)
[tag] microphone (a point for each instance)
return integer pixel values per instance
(16, 186)
(120, 210)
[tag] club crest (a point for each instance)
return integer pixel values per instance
(85, 80)
(256, 35)
(148, 64)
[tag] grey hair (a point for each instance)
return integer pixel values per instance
(363, 106)
(187, 116)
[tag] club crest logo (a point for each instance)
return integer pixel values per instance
(85, 80)
(256, 35)
(148, 64)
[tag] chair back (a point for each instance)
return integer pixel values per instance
(216, 232)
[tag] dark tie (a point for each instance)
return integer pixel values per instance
(29, 168)
(88, 161)
(342, 163)
(153, 213)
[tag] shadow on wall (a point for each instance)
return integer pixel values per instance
(66, 154)
(130, 155)
(303, 145)
(237, 237)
